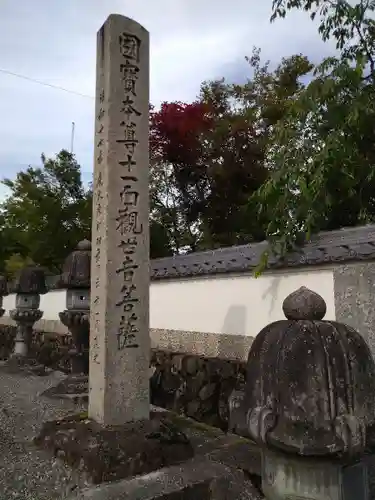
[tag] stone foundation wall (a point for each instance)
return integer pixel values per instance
(195, 386)
(188, 384)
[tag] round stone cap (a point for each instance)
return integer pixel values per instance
(76, 271)
(304, 304)
(84, 245)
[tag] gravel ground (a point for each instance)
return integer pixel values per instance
(27, 473)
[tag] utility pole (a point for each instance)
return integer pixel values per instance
(72, 138)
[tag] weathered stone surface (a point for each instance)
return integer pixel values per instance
(120, 272)
(113, 453)
(310, 386)
(287, 476)
(241, 454)
(194, 480)
(354, 298)
(76, 271)
(74, 388)
(30, 280)
(304, 304)
(78, 322)
(195, 386)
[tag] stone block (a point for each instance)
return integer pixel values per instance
(27, 301)
(112, 453)
(78, 298)
(193, 480)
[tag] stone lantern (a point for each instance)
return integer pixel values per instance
(3, 293)
(75, 278)
(309, 402)
(29, 284)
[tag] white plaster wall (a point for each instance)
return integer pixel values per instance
(231, 304)
(9, 302)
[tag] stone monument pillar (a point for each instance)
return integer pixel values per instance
(119, 311)
(309, 402)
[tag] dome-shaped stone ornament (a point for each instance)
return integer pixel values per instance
(76, 271)
(310, 386)
(30, 279)
(304, 304)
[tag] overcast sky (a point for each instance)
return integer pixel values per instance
(54, 41)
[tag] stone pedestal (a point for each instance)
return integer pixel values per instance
(25, 320)
(119, 311)
(164, 457)
(78, 323)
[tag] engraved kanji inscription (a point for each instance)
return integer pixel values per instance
(128, 246)
(128, 163)
(128, 109)
(129, 73)
(128, 295)
(129, 197)
(127, 331)
(127, 222)
(129, 140)
(127, 264)
(130, 46)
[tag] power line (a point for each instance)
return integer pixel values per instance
(56, 87)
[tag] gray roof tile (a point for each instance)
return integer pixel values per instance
(347, 244)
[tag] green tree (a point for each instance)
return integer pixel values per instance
(322, 152)
(209, 157)
(14, 263)
(48, 210)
